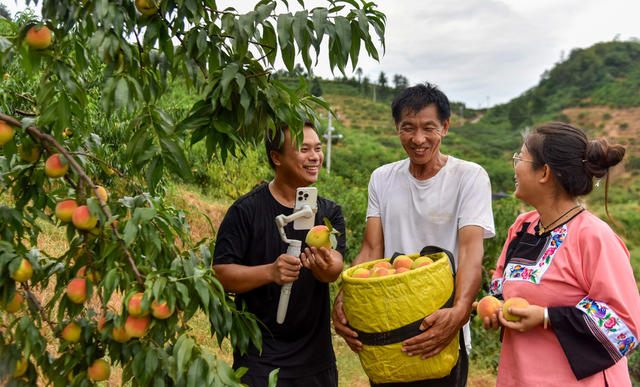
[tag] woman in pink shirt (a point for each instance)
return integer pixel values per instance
(571, 267)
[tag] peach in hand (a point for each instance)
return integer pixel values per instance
(488, 306)
(318, 236)
(514, 302)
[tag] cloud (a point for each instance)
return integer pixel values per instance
(474, 49)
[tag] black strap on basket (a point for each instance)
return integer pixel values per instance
(412, 329)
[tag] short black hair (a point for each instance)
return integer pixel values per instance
(275, 141)
(418, 97)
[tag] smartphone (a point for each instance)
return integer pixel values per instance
(305, 196)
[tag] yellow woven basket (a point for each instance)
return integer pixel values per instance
(385, 304)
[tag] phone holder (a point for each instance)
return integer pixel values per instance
(294, 250)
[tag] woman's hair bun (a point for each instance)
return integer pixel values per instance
(601, 155)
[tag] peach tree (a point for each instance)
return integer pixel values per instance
(87, 142)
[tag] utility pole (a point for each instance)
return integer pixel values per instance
(329, 137)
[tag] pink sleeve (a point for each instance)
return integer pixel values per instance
(608, 273)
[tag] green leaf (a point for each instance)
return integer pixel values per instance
(269, 39)
(343, 31)
(273, 377)
(184, 354)
(203, 291)
(158, 287)
(151, 362)
(355, 44)
(110, 282)
(228, 74)
(287, 49)
(121, 93)
(319, 22)
(184, 292)
(177, 156)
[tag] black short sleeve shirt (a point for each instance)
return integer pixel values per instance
(248, 235)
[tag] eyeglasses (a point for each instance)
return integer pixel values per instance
(517, 158)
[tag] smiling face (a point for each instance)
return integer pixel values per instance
(421, 134)
(299, 166)
(526, 176)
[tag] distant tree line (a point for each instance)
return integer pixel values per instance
(379, 90)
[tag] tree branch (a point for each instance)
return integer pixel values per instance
(26, 114)
(82, 176)
(26, 98)
(200, 65)
(122, 175)
(38, 306)
(257, 75)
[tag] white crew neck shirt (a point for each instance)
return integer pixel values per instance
(418, 213)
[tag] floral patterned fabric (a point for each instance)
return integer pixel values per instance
(532, 271)
(616, 332)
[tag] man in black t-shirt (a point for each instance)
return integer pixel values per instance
(250, 260)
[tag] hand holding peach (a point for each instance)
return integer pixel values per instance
(488, 309)
(318, 236)
(514, 302)
(529, 316)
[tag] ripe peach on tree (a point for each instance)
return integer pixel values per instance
(67, 85)
(56, 166)
(6, 133)
(38, 37)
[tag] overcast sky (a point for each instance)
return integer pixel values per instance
(482, 52)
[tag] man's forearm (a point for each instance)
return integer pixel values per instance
(241, 279)
(468, 282)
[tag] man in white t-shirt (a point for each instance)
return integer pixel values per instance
(428, 199)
